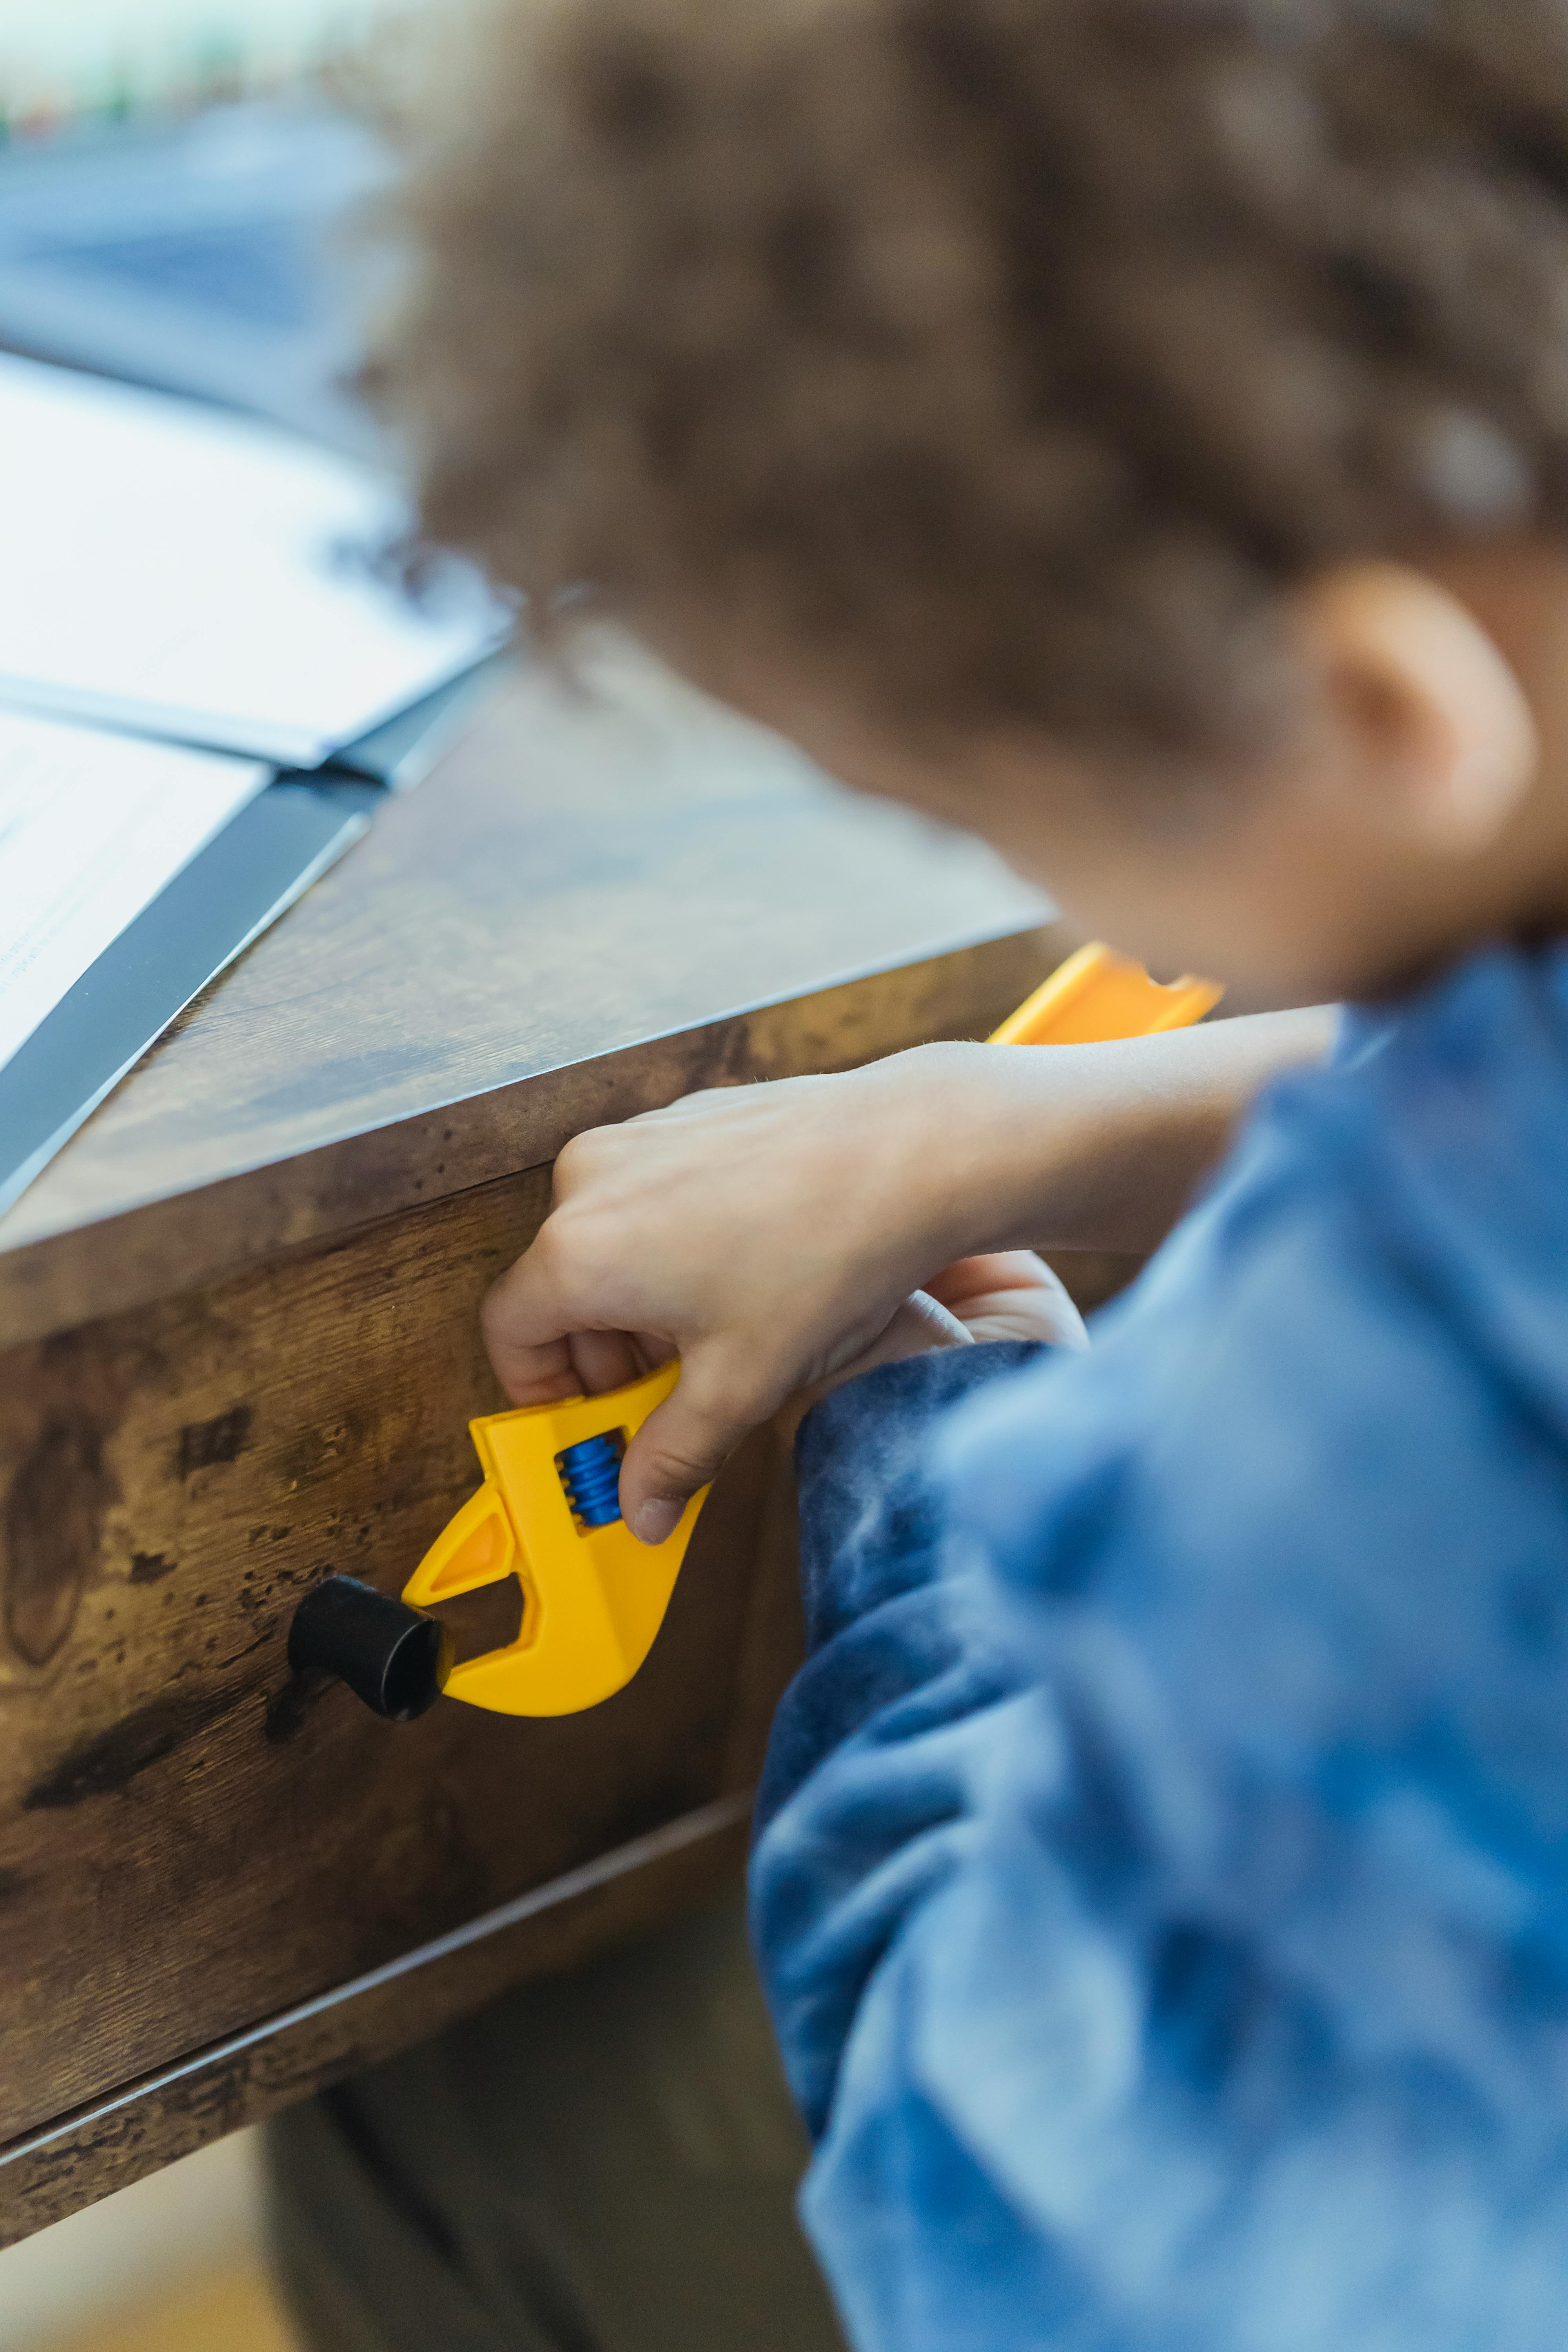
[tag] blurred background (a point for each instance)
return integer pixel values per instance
(172, 174)
(72, 65)
(175, 2264)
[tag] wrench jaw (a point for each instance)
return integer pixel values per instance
(476, 1548)
(594, 1598)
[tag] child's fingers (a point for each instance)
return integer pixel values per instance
(541, 1330)
(972, 1277)
(1011, 1295)
(686, 1442)
(608, 1360)
(919, 1325)
(530, 1375)
(922, 1323)
(1025, 1315)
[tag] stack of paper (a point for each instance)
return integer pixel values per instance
(96, 830)
(188, 603)
(206, 578)
(91, 828)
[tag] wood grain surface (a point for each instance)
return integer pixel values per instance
(191, 1838)
(590, 906)
(238, 1349)
(245, 2077)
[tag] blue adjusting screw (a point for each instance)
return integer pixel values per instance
(590, 1474)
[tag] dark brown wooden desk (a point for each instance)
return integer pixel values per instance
(237, 1349)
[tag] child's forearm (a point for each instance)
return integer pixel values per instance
(772, 1233)
(1101, 1147)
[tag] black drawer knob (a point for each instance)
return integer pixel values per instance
(395, 1658)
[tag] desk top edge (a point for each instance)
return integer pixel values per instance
(183, 1238)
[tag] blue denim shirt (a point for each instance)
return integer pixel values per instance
(1161, 1886)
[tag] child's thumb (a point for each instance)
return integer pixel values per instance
(682, 1445)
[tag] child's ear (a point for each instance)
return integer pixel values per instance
(1439, 730)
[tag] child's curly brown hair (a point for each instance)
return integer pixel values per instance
(1005, 357)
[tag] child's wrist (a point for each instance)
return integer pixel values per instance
(1092, 1147)
(976, 1167)
(1064, 1147)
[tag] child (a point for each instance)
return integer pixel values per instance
(1137, 429)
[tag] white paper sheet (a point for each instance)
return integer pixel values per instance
(185, 573)
(92, 827)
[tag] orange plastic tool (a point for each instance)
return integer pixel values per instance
(592, 1597)
(1098, 995)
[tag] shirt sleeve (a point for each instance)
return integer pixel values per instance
(1159, 1883)
(902, 1673)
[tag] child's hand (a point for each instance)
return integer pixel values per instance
(777, 1235)
(1009, 1295)
(771, 1234)
(1006, 1294)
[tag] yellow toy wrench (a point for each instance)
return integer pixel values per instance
(549, 1514)
(549, 1510)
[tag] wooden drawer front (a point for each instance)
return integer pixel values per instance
(188, 1841)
